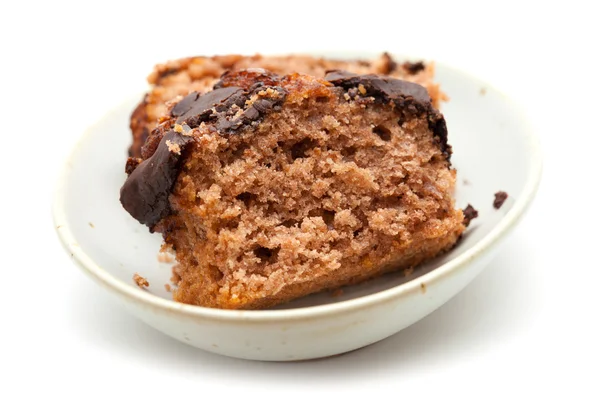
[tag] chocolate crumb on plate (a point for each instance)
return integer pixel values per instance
(176, 274)
(499, 199)
(470, 214)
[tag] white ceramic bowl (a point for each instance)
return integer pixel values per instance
(494, 149)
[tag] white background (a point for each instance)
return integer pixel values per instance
(526, 327)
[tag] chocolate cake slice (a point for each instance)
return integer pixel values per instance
(273, 187)
(182, 76)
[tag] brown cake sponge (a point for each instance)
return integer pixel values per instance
(273, 187)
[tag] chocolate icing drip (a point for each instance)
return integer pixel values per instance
(145, 194)
(407, 96)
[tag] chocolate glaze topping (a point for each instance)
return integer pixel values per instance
(380, 86)
(223, 104)
(145, 194)
(407, 96)
(195, 107)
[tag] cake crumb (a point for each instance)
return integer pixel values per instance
(470, 214)
(269, 93)
(140, 281)
(173, 147)
(408, 271)
(176, 275)
(337, 292)
(423, 288)
(183, 129)
(131, 164)
(466, 182)
(91, 225)
(168, 287)
(482, 91)
(165, 257)
(362, 89)
(499, 199)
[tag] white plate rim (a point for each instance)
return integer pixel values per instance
(130, 292)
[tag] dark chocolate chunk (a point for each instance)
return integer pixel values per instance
(499, 199)
(407, 96)
(470, 214)
(413, 67)
(229, 121)
(145, 194)
(195, 108)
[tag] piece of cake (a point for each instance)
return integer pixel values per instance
(273, 187)
(183, 76)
